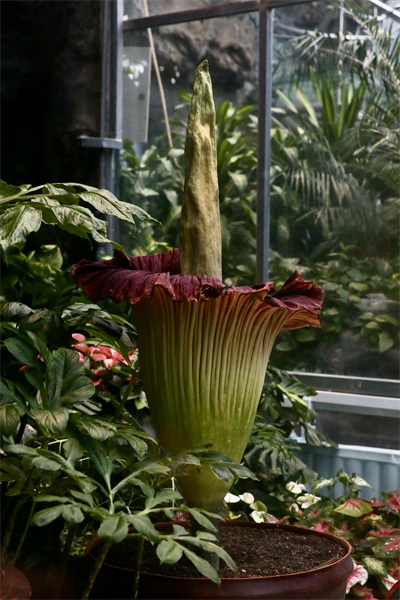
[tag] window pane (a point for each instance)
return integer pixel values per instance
(334, 173)
(335, 192)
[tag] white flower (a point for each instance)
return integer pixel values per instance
(258, 516)
(295, 487)
(307, 500)
(294, 507)
(247, 498)
(231, 498)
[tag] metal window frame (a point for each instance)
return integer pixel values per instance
(110, 140)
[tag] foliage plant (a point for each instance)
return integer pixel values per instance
(371, 526)
(204, 347)
(75, 460)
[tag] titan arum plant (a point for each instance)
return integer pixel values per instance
(203, 346)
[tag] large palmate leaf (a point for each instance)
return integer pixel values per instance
(17, 222)
(64, 381)
(57, 377)
(9, 419)
(25, 208)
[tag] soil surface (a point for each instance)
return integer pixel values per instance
(257, 552)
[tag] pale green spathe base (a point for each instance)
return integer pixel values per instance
(203, 366)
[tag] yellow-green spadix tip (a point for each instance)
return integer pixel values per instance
(200, 227)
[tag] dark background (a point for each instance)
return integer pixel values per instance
(50, 90)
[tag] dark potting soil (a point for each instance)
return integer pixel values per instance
(257, 552)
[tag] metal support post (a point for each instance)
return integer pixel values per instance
(264, 144)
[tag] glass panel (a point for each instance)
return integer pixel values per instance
(334, 175)
(335, 188)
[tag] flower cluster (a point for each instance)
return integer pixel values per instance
(99, 359)
(260, 512)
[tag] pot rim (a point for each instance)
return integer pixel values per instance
(239, 523)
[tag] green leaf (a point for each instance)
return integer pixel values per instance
(11, 191)
(47, 515)
(73, 451)
(9, 391)
(11, 471)
(22, 351)
(202, 542)
(384, 318)
(51, 498)
(354, 507)
(35, 378)
(306, 335)
(240, 180)
(132, 480)
(163, 497)
(9, 419)
(86, 498)
(385, 341)
(77, 220)
(202, 565)
(21, 449)
(73, 514)
(144, 526)
(135, 441)
(388, 547)
(284, 346)
(46, 464)
(95, 428)
(65, 379)
(105, 202)
(11, 310)
(114, 528)
(222, 472)
(169, 552)
(374, 566)
(202, 519)
(17, 223)
(54, 420)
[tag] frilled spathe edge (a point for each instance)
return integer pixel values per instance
(133, 278)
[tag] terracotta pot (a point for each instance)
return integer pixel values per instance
(325, 582)
(14, 584)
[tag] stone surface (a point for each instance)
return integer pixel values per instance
(229, 43)
(50, 89)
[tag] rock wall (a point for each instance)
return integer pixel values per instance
(229, 43)
(51, 77)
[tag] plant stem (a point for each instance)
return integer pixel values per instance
(137, 566)
(23, 536)
(64, 558)
(94, 572)
(7, 534)
(124, 400)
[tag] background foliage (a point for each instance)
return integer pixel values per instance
(334, 194)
